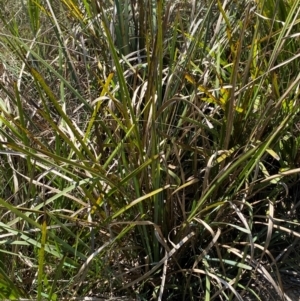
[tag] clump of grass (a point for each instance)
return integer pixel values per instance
(148, 150)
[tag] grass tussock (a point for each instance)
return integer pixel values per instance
(148, 149)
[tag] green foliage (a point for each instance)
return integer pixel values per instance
(8, 290)
(148, 148)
